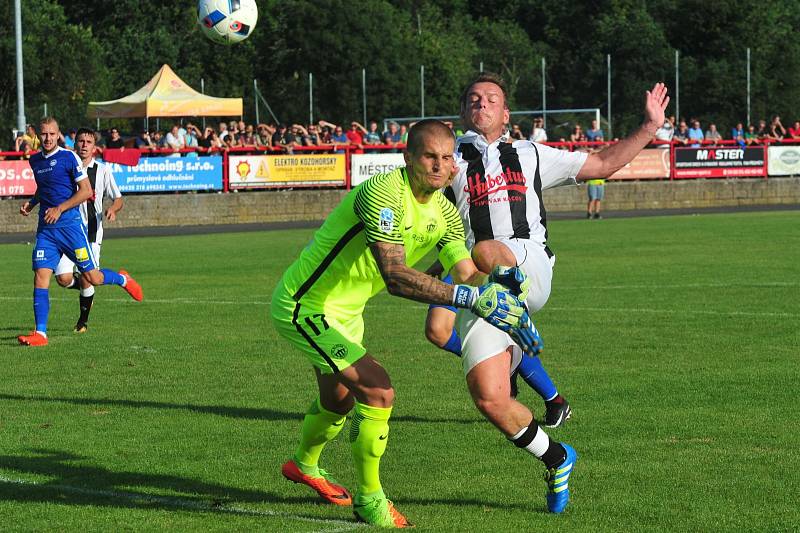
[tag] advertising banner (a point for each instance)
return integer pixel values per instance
(648, 164)
(784, 160)
(278, 170)
(364, 166)
(16, 178)
(158, 174)
(720, 162)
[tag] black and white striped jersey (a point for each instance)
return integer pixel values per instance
(498, 187)
(103, 185)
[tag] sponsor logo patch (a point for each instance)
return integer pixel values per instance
(387, 220)
(82, 254)
(39, 255)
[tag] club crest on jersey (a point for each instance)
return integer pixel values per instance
(82, 254)
(339, 351)
(432, 225)
(53, 163)
(387, 220)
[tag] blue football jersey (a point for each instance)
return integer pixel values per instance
(57, 175)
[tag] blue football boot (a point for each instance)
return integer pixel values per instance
(557, 481)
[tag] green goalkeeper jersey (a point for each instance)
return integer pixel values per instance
(337, 273)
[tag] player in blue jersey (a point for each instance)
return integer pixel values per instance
(61, 186)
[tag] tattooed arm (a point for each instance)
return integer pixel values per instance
(402, 280)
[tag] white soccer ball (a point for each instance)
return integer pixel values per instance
(227, 21)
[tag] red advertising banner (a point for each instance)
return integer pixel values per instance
(720, 162)
(648, 164)
(16, 178)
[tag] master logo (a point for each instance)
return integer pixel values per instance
(339, 351)
(82, 254)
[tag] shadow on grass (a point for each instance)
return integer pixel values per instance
(82, 484)
(219, 410)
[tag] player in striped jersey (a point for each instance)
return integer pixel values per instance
(498, 192)
(370, 241)
(61, 186)
(103, 185)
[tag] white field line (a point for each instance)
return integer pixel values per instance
(180, 503)
(707, 312)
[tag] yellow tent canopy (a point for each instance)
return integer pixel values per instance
(166, 95)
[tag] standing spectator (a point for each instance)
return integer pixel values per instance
(249, 137)
(751, 137)
(191, 136)
(516, 133)
(29, 141)
(340, 138)
(115, 141)
(356, 134)
(666, 132)
(595, 134)
(209, 140)
(223, 131)
(712, 135)
(577, 134)
(776, 129)
(538, 134)
(279, 136)
(372, 137)
(264, 135)
(682, 134)
(737, 134)
(174, 139)
(403, 134)
(313, 135)
(143, 141)
(794, 131)
(762, 132)
(696, 133)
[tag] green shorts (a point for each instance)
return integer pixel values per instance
(330, 344)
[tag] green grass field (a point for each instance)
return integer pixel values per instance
(674, 338)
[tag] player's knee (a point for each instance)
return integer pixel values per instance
(492, 406)
(379, 397)
(489, 254)
(94, 277)
(64, 279)
(437, 333)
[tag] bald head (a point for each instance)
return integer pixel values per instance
(422, 129)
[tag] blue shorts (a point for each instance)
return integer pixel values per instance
(71, 241)
(596, 192)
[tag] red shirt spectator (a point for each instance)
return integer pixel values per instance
(794, 131)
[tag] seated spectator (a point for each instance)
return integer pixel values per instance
(392, 135)
(712, 135)
(372, 137)
(776, 129)
(751, 136)
(577, 134)
(762, 132)
(737, 134)
(174, 139)
(516, 133)
(538, 134)
(666, 132)
(144, 142)
(696, 134)
(595, 134)
(115, 140)
(794, 131)
(69, 140)
(681, 136)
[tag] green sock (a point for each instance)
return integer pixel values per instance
(320, 426)
(369, 432)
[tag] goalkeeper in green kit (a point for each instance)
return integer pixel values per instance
(371, 240)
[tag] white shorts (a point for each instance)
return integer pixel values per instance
(65, 266)
(537, 265)
(479, 339)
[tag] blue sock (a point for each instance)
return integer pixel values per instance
(41, 308)
(112, 278)
(534, 374)
(454, 344)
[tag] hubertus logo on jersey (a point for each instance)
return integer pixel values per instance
(481, 191)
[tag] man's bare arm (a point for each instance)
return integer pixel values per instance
(604, 164)
(402, 280)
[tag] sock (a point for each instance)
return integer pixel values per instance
(86, 298)
(320, 426)
(41, 308)
(534, 440)
(534, 374)
(453, 344)
(369, 433)
(112, 278)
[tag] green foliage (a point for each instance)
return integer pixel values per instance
(118, 46)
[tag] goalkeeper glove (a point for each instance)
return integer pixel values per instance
(492, 302)
(514, 278)
(526, 336)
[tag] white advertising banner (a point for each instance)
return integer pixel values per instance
(783, 161)
(364, 166)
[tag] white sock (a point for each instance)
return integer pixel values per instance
(538, 445)
(88, 292)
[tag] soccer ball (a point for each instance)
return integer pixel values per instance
(227, 21)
